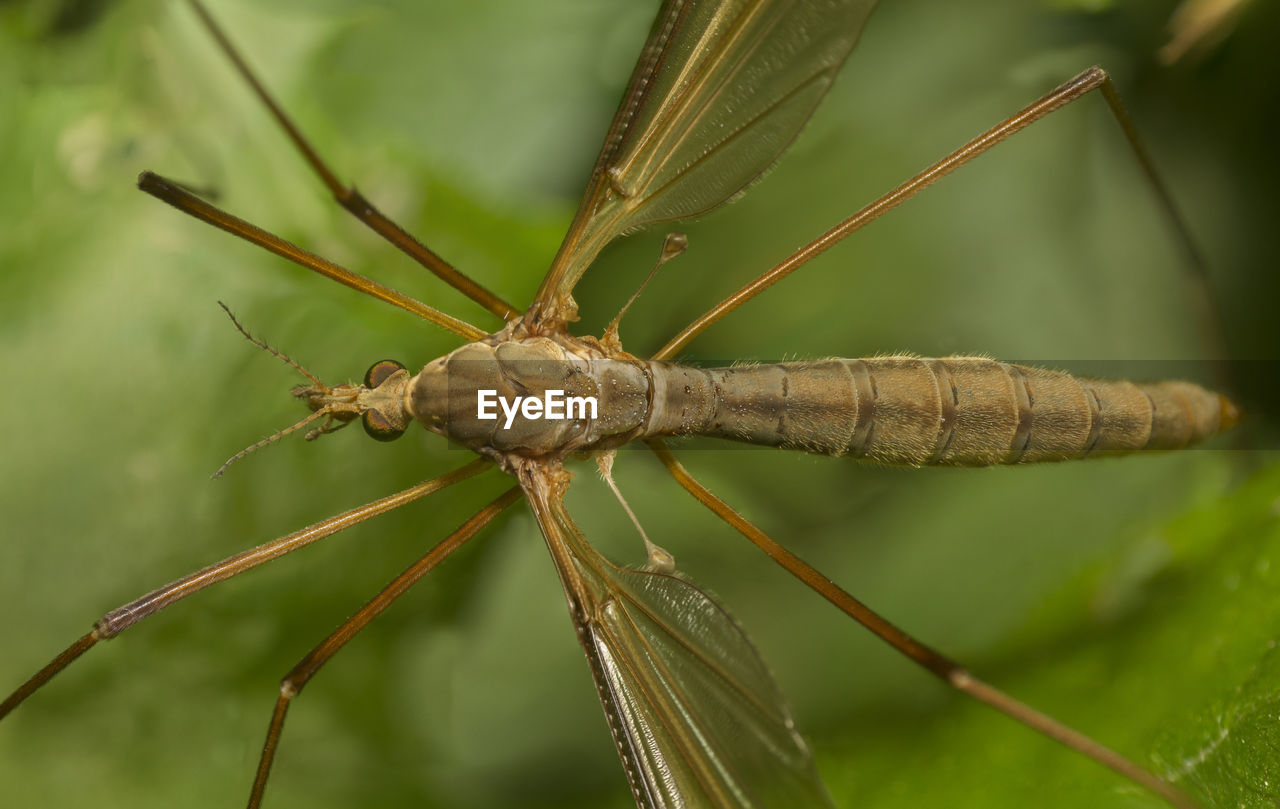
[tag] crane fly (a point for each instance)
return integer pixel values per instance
(556, 311)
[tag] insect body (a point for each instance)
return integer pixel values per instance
(958, 411)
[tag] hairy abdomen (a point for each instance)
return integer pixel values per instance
(965, 411)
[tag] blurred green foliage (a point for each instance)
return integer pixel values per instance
(1134, 599)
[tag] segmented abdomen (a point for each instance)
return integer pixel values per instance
(965, 411)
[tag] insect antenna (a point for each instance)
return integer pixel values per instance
(280, 355)
(276, 436)
(326, 410)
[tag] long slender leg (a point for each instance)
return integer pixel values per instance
(121, 618)
(947, 670)
(188, 203)
(298, 676)
(1092, 79)
(347, 196)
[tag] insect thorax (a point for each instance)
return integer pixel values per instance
(531, 397)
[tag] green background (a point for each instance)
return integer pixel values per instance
(1135, 599)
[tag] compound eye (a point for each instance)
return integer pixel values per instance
(379, 371)
(377, 426)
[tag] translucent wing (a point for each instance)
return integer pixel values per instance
(696, 717)
(720, 90)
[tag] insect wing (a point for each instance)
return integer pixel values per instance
(720, 90)
(696, 716)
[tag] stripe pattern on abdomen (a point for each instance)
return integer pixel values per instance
(959, 411)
